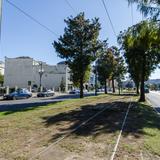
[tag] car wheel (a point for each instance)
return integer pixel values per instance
(27, 97)
(14, 98)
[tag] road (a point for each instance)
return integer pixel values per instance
(18, 105)
(154, 98)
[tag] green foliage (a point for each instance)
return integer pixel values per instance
(62, 85)
(1, 79)
(141, 50)
(105, 65)
(119, 69)
(78, 46)
(110, 65)
(148, 7)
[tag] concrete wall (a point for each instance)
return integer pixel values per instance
(18, 71)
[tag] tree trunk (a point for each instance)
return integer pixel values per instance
(113, 87)
(105, 88)
(81, 88)
(142, 94)
(137, 89)
(119, 90)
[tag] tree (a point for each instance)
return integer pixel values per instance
(78, 46)
(148, 7)
(119, 68)
(141, 44)
(1, 79)
(133, 67)
(120, 71)
(62, 85)
(105, 64)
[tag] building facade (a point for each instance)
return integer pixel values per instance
(25, 71)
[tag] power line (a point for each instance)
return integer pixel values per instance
(69, 4)
(105, 7)
(32, 18)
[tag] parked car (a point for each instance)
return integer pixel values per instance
(18, 94)
(85, 91)
(100, 90)
(74, 91)
(77, 91)
(47, 93)
(146, 90)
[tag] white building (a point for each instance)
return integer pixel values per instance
(25, 71)
(1, 68)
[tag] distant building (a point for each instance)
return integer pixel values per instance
(25, 71)
(153, 81)
(1, 68)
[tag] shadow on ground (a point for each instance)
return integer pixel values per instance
(13, 108)
(22, 107)
(109, 121)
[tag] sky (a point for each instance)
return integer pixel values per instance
(23, 37)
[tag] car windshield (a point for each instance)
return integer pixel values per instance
(15, 92)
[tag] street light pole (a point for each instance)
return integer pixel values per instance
(95, 79)
(40, 75)
(95, 72)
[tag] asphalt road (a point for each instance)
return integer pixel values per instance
(26, 104)
(154, 98)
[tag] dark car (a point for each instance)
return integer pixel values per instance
(75, 91)
(19, 94)
(146, 90)
(47, 93)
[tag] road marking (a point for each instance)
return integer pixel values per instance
(119, 136)
(72, 131)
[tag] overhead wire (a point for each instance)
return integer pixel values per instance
(32, 18)
(69, 4)
(108, 15)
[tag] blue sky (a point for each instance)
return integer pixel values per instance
(23, 37)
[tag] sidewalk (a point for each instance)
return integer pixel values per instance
(155, 92)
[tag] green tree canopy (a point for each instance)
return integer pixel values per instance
(147, 7)
(119, 69)
(141, 48)
(78, 46)
(1, 78)
(105, 65)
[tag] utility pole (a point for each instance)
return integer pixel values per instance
(41, 71)
(95, 78)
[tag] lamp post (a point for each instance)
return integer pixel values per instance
(95, 72)
(95, 79)
(41, 71)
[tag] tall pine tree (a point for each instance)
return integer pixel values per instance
(78, 46)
